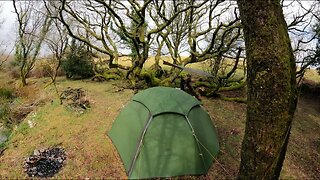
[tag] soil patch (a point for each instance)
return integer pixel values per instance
(20, 113)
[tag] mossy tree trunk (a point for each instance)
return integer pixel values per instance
(23, 78)
(271, 89)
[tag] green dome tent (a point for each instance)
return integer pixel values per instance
(164, 132)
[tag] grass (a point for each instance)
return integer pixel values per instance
(91, 154)
(313, 75)
(303, 157)
(83, 137)
(6, 93)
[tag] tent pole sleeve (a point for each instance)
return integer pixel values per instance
(140, 144)
(196, 140)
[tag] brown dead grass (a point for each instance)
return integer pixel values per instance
(303, 157)
(313, 75)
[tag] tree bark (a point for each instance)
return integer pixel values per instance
(23, 79)
(271, 89)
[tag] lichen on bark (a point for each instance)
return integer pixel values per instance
(271, 89)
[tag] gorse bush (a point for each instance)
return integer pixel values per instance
(78, 62)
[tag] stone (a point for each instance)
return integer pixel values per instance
(44, 163)
(36, 152)
(75, 99)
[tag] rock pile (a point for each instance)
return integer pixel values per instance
(75, 99)
(45, 162)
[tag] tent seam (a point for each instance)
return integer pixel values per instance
(196, 139)
(140, 143)
(192, 108)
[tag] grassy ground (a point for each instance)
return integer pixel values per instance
(92, 155)
(312, 74)
(303, 158)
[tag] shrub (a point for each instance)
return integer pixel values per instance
(78, 62)
(6, 93)
(61, 72)
(14, 72)
(46, 68)
(42, 70)
(4, 111)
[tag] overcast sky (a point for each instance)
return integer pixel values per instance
(8, 28)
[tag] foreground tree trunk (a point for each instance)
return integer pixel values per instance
(271, 89)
